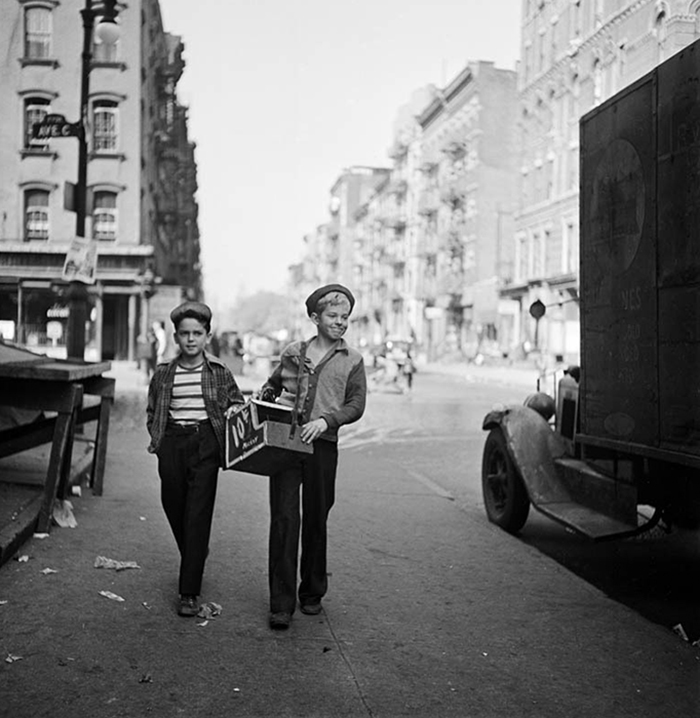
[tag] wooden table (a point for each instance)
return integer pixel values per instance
(33, 382)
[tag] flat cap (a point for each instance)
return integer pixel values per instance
(316, 295)
(196, 310)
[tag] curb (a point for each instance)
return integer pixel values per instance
(15, 534)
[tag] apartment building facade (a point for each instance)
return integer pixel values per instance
(141, 175)
(432, 238)
(574, 55)
(465, 209)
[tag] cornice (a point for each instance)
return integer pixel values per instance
(592, 41)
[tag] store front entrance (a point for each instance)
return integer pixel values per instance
(115, 327)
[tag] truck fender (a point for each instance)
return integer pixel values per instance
(533, 446)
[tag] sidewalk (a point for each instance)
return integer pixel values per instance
(432, 612)
(18, 501)
(20, 498)
(522, 375)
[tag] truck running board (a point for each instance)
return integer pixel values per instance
(591, 503)
(587, 522)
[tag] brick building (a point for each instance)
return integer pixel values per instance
(574, 55)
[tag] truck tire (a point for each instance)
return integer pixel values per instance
(505, 497)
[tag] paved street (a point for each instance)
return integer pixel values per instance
(431, 610)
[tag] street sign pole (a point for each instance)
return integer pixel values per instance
(77, 291)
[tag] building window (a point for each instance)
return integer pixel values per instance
(572, 179)
(104, 216)
(105, 116)
(570, 252)
(37, 33)
(36, 214)
(523, 257)
(35, 110)
(597, 82)
(537, 255)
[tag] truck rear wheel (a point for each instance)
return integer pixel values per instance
(505, 497)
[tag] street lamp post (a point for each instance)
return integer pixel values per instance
(108, 32)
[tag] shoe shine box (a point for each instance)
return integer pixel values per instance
(261, 438)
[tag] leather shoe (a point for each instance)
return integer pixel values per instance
(311, 609)
(188, 606)
(280, 621)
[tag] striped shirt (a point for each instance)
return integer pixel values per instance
(187, 400)
(219, 389)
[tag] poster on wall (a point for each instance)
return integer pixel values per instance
(81, 261)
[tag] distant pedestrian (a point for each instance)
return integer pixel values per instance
(237, 352)
(409, 369)
(326, 380)
(161, 340)
(187, 401)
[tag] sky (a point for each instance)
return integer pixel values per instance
(283, 96)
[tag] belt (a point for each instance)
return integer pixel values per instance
(187, 428)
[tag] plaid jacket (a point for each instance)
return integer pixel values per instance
(218, 387)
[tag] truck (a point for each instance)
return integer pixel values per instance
(615, 448)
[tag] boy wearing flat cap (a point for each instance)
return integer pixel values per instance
(187, 401)
(326, 379)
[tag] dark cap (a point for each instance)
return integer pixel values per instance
(314, 297)
(195, 310)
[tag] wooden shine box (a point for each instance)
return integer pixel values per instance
(260, 438)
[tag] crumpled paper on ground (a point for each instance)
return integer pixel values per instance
(63, 514)
(209, 610)
(111, 596)
(104, 562)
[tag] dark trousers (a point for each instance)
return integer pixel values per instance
(188, 464)
(315, 475)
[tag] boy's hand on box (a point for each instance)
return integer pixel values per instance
(311, 431)
(267, 394)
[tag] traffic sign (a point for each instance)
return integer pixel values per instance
(537, 309)
(54, 125)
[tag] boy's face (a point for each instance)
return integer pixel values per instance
(191, 337)
(332, 322)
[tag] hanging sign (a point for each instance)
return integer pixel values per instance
(81, 261)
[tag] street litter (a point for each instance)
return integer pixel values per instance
(142, 518)
(112, 596)
(680, 631)
(41, 536)
(146, 606)
(11, 659)
(209, 610)
(104, 562)
(76, 490)
(203, 623)
(22, 559)
(146, 678)
(2, 603)
(47, 571)
(63, 514)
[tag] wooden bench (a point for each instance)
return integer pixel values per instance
(64, 398)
